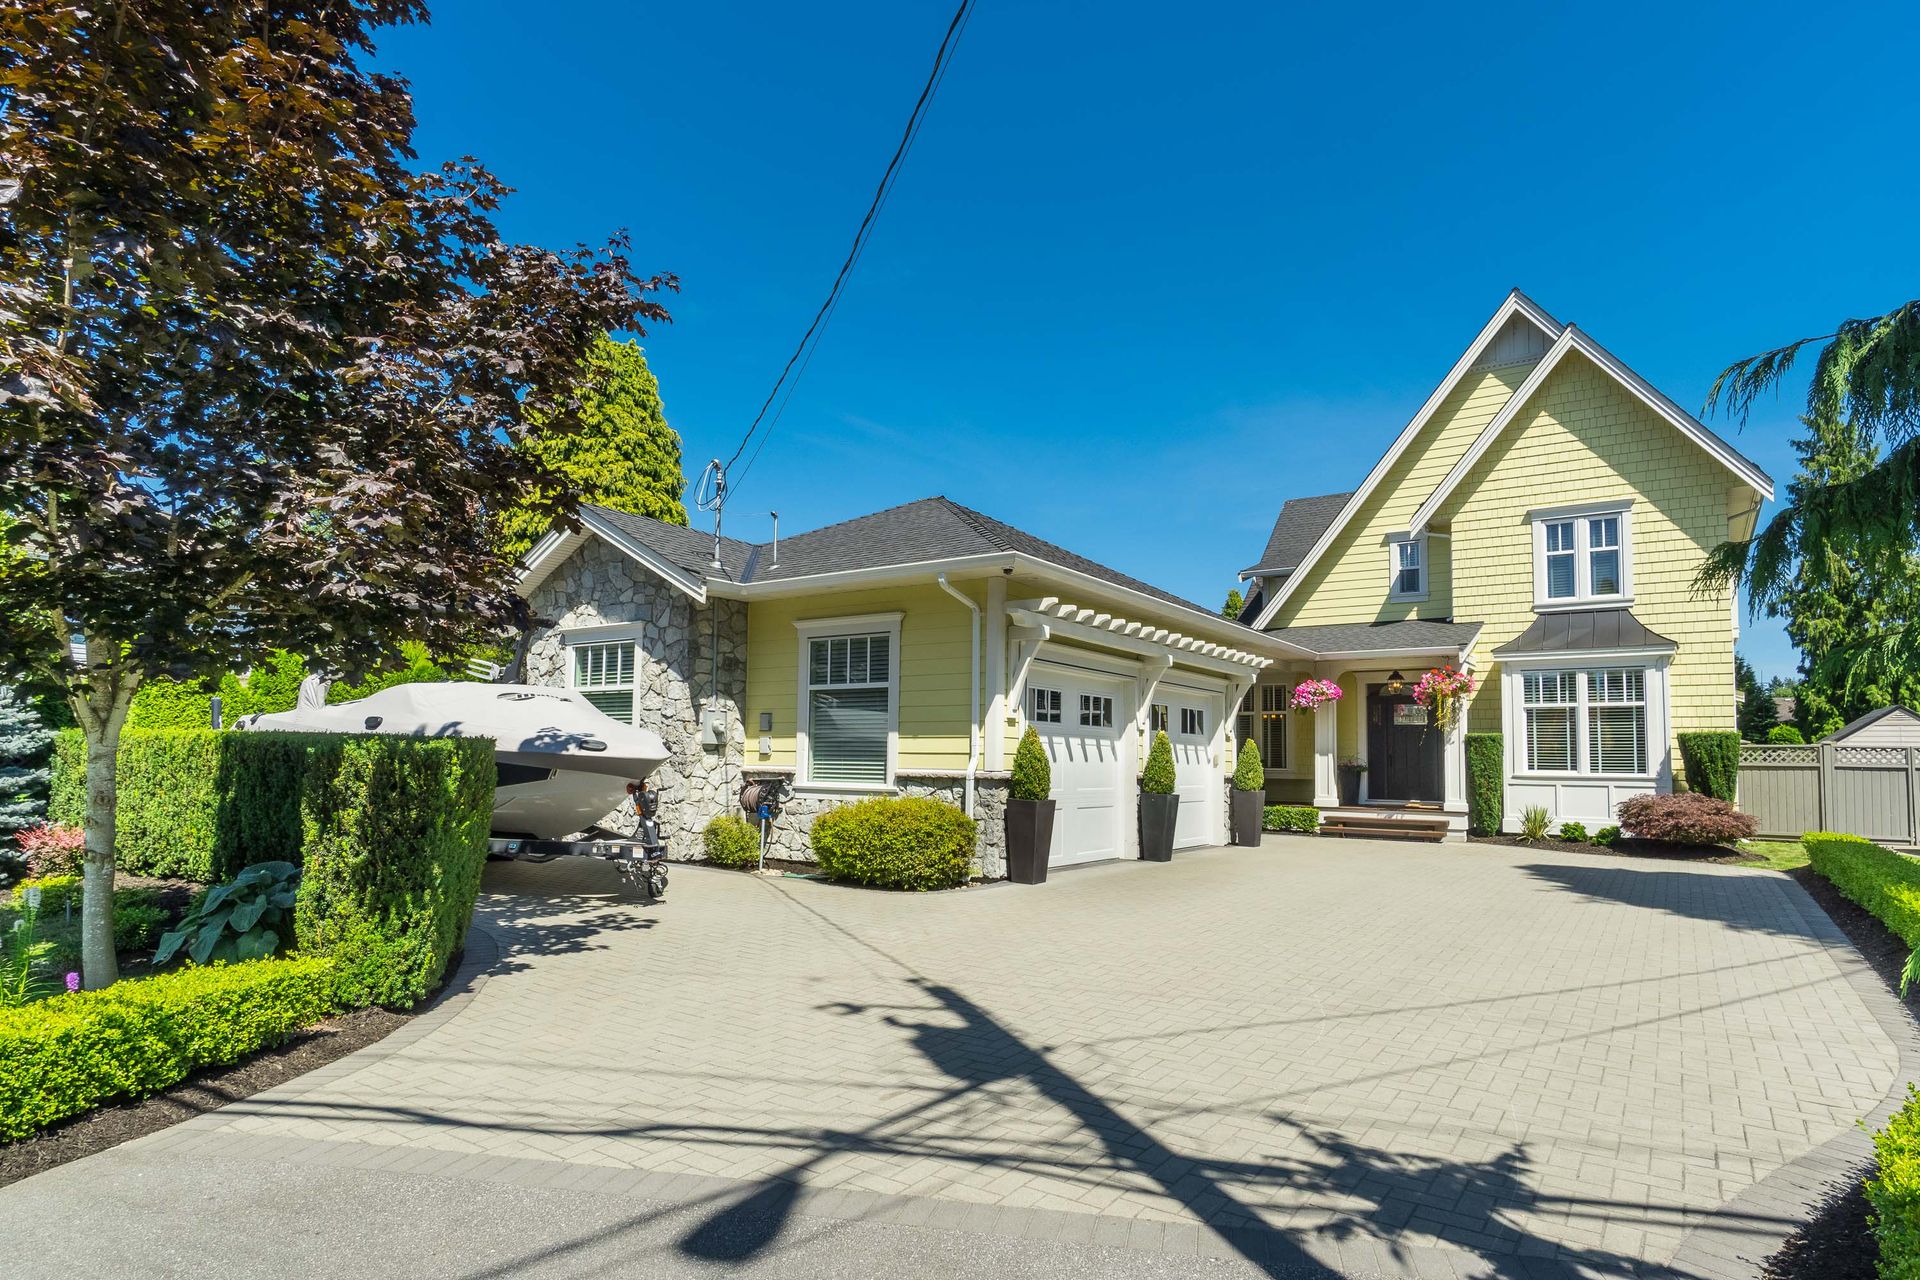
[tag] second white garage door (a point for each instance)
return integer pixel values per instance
(1193, 719)
(1081, 719)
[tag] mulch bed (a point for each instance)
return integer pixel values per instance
(1837, 1244)
(1628, 848)
(204, 1091)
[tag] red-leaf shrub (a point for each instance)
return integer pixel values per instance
(52, 849)
(1686, 817)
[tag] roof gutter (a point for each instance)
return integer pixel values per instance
(973, 688)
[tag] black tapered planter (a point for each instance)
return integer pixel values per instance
(1350, 785)
(1029, 839)
(1247, 810)
(1157, 814)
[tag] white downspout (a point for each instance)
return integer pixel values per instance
(973, 687)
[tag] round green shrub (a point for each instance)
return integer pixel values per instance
(1157, 779)
(731, 841)
(1032, 774)
(1248, 775)
(896, 843)
(1786, 735)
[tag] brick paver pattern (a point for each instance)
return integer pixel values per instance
(1359, 1044)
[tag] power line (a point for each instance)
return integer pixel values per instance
(802, 353)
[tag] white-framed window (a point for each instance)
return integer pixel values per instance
(1590, 721)
(603, 666)
(1263, 717)
(1408, 565)
(1043, 705)
(1096, 711)
(1157, 718)
(1582, 556)
(849, 700)
(1193, 722)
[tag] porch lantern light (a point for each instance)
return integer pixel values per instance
(1396, 682)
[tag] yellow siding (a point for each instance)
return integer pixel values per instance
(935, 640)
(1585, 438)
(1349, 583)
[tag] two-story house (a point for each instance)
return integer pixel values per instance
(1540, 521)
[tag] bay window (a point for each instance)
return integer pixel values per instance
(1591, 721)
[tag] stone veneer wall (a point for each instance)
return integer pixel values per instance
(789, 837)
(673, 677)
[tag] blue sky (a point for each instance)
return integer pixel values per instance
(1150, 271)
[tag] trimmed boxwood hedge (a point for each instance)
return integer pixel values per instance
(1486, 782)
(1290, 817)
(906, 842)
(67, 1054)
(1884, 882)
(1712, 761)
(1894, 1192)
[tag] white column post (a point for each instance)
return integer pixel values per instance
(1326, 755)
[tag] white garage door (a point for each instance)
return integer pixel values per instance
(1080, 719)
(1192, 719)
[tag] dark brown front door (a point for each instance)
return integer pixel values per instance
(1405, 753)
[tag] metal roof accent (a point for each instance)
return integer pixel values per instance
(1584, 631)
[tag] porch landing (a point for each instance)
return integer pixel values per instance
(1393, 822)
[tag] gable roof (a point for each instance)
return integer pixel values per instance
(1852, 727)
(1564, 338)
(1298, 526)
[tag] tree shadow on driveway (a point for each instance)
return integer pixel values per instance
(1753, 903)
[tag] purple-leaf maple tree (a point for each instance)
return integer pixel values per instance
(262, 375)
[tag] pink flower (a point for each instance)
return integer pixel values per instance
(73, 982)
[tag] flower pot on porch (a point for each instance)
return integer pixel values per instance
(1350, 784)
(1247, 810)
(1157, 814)
(1029, 838)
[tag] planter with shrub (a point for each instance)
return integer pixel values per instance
(1291, 817)
(729, 840)
(1249, 798)
(1159, 806)
(1030, 809)
(1712, 762)
(1351, 771)
(1685, 817)
(908, 842)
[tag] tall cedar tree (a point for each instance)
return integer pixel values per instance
(624, 455)
(1831, 607)
(263, 380)
(1868, 375)
(1756, 714)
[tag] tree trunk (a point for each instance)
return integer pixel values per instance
(101, 706)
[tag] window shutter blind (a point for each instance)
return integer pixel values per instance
(847, 735)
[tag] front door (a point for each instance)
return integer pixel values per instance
(1406, 753)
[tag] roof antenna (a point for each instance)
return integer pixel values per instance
(710, 494)
(776, 539)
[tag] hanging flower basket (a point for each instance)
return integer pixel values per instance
(1440, 691)
(1310, 695)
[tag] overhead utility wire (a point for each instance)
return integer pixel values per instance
(802, 353)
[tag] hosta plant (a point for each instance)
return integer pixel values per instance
(249, 917)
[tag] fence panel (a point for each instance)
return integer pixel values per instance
(1780, 787)
(1866, 791)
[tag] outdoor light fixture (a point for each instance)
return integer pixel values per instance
(1396, 682)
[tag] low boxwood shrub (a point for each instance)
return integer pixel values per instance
(1573, 832)
(729, 840)
(1894, 1192)
(1880, 880)
(1712, 760)
(394, 837)
(1685, 817)
(57, 893)
(1290, 817)
(72, 1052)
(1608, 836)
(906, 842)
(1486, 782)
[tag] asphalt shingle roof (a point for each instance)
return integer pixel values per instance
(1381, 637)
(1584, 630)
(1298, 526)
(915, 532)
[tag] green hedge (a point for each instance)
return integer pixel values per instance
(394, 840)
(195, 804)
(1486, 782)
(1884, 882)
(905, 843)
(1712, 760)
(1290, 817)
(64, 1055)
(1894, 1192)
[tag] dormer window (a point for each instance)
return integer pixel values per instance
(1408, 567)
(1582, 556)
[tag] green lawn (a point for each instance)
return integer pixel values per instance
(1781, 855)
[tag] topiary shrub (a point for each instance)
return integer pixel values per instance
(1158, 777)
(1572, 832)
(1486, 782)
(908, 842)
(1894, 1192)
(729, 840)
(1712, 761)
(65, 1055)
(1248, 775)
(1032, 772)
(1290, 817)
(1786, 735)
(1686, 817)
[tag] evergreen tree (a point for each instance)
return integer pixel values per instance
(24, 746)
(1846, 601)
(1235, 603)
(623, 455)
(1756, 715)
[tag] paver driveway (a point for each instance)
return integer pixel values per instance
(1384, 1058)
